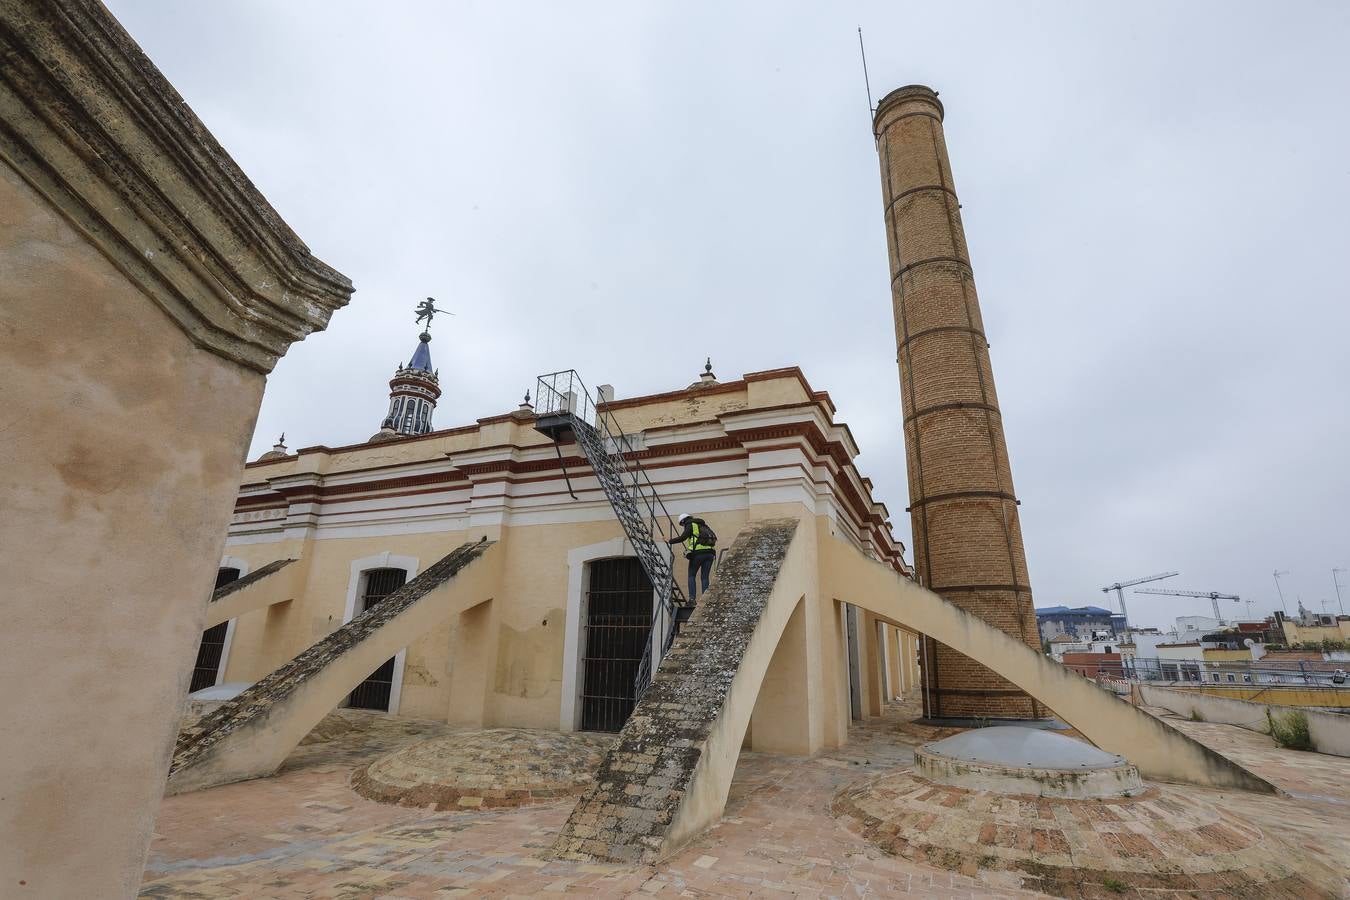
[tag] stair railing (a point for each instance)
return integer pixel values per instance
(635, 500)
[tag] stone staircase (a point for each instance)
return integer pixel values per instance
(668, 775)
(250, 736)
(626, 816)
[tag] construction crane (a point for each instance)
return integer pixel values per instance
(1214, 597)
(1119, 588)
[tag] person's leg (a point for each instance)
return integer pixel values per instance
(693, 581)
(705, 565)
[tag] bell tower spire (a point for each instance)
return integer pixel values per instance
(415, 387)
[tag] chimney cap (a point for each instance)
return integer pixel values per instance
(909, 92)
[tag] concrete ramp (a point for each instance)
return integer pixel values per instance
(667, 776)
(256, 590)
(251, 735)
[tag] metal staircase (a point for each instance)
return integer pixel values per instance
(565, 410)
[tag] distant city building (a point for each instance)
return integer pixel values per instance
(1188, 630)
(1080, 623)
(1311, 629)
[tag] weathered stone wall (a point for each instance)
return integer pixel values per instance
(644, 778)
(967, 538)
(146, 287)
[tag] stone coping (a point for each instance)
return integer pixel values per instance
(94, 127)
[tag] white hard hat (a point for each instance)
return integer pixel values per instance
(682, 517)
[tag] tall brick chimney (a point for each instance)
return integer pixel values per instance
(967, 538)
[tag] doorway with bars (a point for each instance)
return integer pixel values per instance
(615, 630)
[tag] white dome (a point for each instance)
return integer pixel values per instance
(1010, 745)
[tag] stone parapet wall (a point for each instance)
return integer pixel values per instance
(1329, 731)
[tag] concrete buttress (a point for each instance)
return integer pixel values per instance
(251, 735)
(274, 583)
(667, 777)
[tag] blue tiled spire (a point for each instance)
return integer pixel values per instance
(421, 358)
(413, 393)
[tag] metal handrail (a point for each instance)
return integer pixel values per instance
(603, 420)
(1309, 674)
(565, 394)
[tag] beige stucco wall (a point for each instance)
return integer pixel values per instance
(1330, 732)
(122, 446)
(526, 628)
(1315, 634)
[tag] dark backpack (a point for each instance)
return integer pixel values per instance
(706, 536)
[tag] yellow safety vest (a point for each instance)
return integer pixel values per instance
(691, 543)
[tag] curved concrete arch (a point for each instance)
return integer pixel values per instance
(1160, 752)
(273, 583)
(667, 777)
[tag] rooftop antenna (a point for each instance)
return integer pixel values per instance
(1284, 606)
(871, 110)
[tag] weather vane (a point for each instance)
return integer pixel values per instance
(426, 309)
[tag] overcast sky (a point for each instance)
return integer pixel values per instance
(1155, 196)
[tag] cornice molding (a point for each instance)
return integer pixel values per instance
(90, 123)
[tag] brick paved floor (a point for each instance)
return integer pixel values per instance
(305, 833)
(499, 767)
